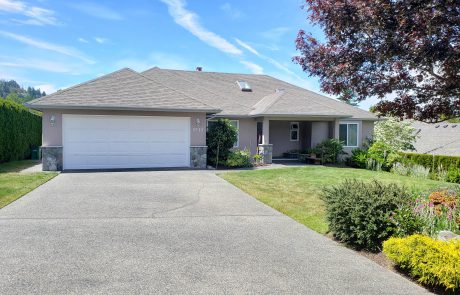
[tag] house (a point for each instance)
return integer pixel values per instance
(158, 118)
(437, 139)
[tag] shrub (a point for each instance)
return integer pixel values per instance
(258, 159)
(20, 131)
(432, 161)
(384, 154)
(239, 158)
(374, 165)
(220, 138)
(412, 170)
(400, 169)
(359, 212)
(429, 261)
(329, 150)
(453, 175)
(358, 159)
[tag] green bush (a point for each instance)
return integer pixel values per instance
(453, 175)
(329, 150)
(220, 139)
(358, 159)
(239, 158)
(384, 154)
(430, 261)
(20, 131)
(432, 161)
(359, 212)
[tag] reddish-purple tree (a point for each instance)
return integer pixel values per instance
(407, 48)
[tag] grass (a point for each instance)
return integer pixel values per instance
(296, 191)
(14, 185)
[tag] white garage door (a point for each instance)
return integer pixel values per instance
(98, 142)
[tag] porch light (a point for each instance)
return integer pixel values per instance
(198, 122)
(52, 120)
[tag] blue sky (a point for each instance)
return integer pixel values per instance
(56, 44)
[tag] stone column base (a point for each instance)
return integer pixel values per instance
(266, 151)
(52, 158)
(198, 156)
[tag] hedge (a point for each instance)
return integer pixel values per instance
(20, 131)
(430, 261)
(432, 161)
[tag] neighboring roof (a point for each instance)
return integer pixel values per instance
(160, 89)
(124, 89)
(438, 138)
(221, 90)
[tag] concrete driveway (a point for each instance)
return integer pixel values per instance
(170, 232)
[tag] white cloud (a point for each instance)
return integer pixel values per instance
(101, 40)
(231, 11)
(34, 15)
(255, 68)
(69, 51)
(190, 21)
(38, 64)
(83, 40)
(247, 47)
(48, 88)
(97, 10)
(276, 33)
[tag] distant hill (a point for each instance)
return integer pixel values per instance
(13, 91)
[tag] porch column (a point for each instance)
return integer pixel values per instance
(266, 149)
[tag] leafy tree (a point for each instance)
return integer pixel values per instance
(220, 138)
(410, 49)
(19, 94)
(13, 96)
(399, 135)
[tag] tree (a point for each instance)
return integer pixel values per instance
(409, 49)
(13, 96)
(220, 138)
(399, 135)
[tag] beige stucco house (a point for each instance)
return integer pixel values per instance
(158, 118)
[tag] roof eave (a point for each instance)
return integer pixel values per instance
(120, 108)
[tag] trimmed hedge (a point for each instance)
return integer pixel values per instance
(20, 131)
(431, 261)
(432, 161)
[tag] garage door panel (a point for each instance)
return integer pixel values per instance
(97, 142)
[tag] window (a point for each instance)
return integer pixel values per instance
(348, 134)
(234, 123)
(244, 86)
(294, 131)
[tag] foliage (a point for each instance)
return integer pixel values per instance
(431, 261)
(399, 135)
(412, 170)
(239, 158)
(428, 215)
(220, 138)
(359, 212)
(383, 153)
(258, 159)
(358, 159)
(405, 48)
(12, 91)
(442, 167)
(453, 175)
(373, 165)
(20, 131)
(329, 150)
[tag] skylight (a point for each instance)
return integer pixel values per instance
(244, 86)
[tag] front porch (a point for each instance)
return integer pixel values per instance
(283, 140)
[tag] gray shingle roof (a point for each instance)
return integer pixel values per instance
(438, 138)
(160, 89)
(221, 90)
(123, 89)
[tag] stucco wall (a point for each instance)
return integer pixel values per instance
(248, 135)
(52, 135)
(367, 130)
(319, 132)
(280, 137)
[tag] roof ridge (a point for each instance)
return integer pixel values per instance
(442, 146)
(148, 78)
(212, 92)
(211, 72)
(78, 85)
(277, 97)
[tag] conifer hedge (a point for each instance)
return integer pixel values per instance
(20, 131)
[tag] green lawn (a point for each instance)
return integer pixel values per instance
(14, 185)
(295, 191)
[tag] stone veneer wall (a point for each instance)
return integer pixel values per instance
(198, 156)
(266, 151)
(52, 158)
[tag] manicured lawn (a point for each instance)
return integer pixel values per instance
(295, 191)
(14, 185)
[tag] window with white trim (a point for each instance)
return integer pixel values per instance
(234, 123)
(348, 134)
(294, 131)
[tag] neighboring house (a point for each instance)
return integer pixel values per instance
(437, 138)
(158, 118)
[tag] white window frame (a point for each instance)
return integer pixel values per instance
(291, 129)
(357, 134)
(237, 144)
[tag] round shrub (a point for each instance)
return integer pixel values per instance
(220, 139)
(239, 158)
(359, 212)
